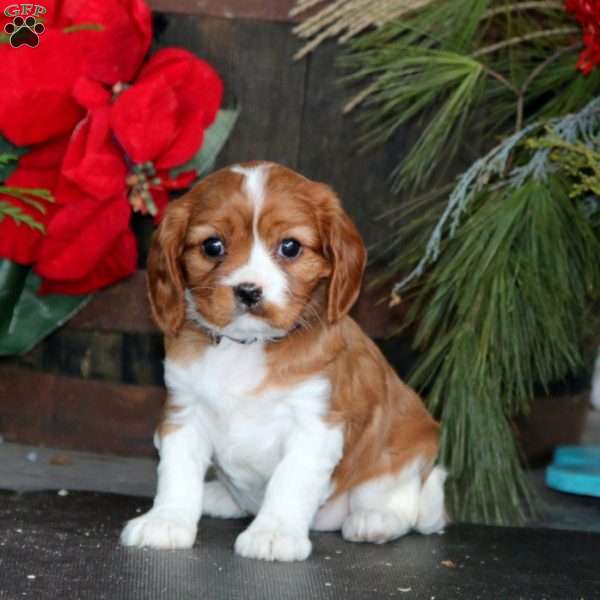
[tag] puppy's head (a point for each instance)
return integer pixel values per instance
(254, 251)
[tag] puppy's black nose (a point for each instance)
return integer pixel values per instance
(248, 294)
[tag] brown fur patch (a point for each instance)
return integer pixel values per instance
(386, 425)
(187, 346)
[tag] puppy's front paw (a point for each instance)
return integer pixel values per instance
(159, 530)
(271, 544)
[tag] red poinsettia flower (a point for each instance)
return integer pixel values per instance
(88, 245)
(127, 131)
(105, 40)
(587, 12)
(158, 122)
(37, 169)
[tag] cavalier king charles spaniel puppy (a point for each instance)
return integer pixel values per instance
(251, 276)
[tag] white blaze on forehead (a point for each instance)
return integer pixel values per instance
(254, 182)
(261, 269)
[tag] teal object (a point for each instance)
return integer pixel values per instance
(575, 470)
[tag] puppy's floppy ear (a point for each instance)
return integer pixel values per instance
(165, 278)
(344, 248)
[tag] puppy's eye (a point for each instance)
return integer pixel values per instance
(213, 247)
(289, 248)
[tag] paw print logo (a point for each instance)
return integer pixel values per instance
(24, 32)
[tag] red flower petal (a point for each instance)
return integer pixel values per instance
(79, 237)
(119, 262)
(91, 94)
(194, 96)
(116, 52)
(93, 162)
(144, 118)
(36, 89)
(45, 156)
(198, 81)
(587, 12)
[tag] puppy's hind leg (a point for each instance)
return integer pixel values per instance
(388, 507)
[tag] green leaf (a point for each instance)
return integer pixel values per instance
(25, 317)
(214, 140)
(12, 281)
(10, 155)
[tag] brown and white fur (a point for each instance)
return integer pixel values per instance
(306, 424)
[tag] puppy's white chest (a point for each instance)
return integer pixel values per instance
(248, 428)
(223, 373)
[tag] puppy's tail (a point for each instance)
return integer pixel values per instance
(432, 515)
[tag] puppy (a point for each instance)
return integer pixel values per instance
(251, 276)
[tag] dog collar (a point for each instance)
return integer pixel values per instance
(216, 338)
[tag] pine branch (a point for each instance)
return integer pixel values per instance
(19, 217)
(582, 126)
(27, 195)
(411, 71)
(346, 19)
(491, 325)
(578, 161)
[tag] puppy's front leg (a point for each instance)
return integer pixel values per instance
(173, 519)
(294, 493)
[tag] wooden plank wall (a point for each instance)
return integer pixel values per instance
(95, 384)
